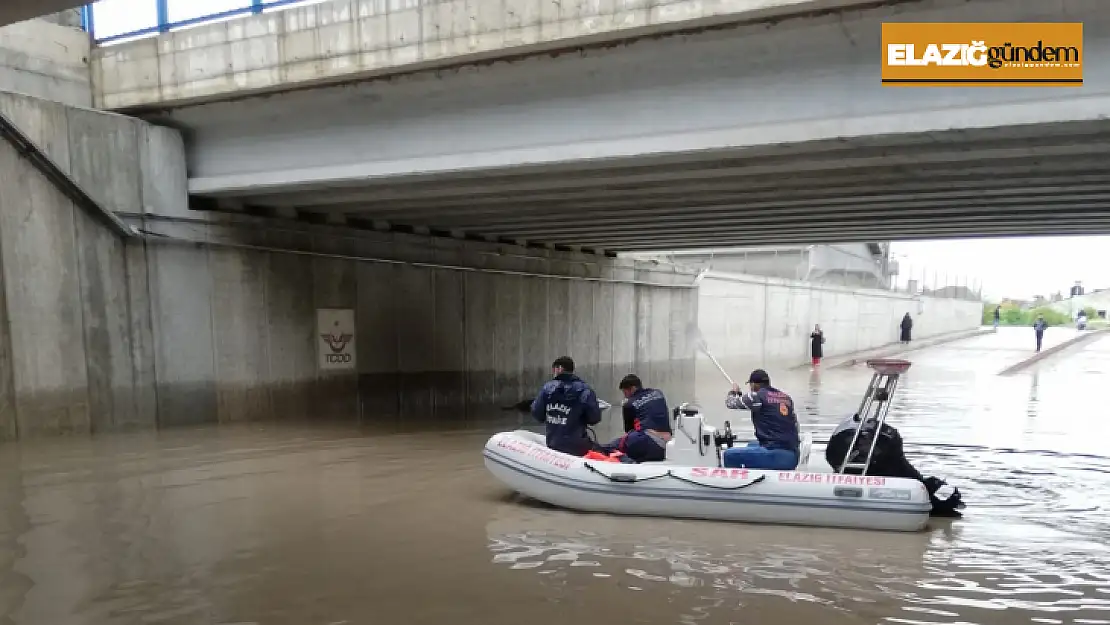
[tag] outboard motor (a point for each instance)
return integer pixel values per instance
(950, 506)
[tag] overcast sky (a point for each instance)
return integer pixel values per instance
(1020, 268)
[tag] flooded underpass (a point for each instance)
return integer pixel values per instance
(277, 523)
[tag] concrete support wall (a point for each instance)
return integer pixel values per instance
(433, 343)
(100, 334)
(752, 321)
(47, 58)
(73, 348)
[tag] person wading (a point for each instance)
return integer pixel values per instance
(816, 343)
(1039, 327)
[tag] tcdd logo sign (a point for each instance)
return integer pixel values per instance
(337, 333)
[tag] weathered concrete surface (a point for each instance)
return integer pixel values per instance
(212, 318)
(39, 256)
(434, 343)
(751, 321)
(350, 39)
(104, 334)
(47, 58)
(672, 143)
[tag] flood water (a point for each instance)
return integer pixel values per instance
(329, 525)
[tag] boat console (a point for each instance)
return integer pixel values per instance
(697, 443)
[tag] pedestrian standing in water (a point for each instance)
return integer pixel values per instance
(907, 326)
(816, 340)
(1039, 327)
(997, 316)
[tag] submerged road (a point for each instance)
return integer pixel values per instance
(290, 524)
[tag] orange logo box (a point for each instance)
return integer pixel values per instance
(982, 54)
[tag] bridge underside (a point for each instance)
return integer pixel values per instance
(1018, 180)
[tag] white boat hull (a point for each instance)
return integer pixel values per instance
(523, 462)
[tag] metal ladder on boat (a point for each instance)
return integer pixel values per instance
(879, 393)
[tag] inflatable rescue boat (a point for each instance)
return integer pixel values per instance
(692, 483)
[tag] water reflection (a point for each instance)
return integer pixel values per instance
(707, 568)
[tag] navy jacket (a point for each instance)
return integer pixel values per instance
(646, 409)
(567, 405)
(776, 425)
(1039, 326)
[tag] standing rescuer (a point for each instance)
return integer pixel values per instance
(647, 423)
(567, 406)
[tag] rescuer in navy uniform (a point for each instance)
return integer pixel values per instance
(776, 426)
(647, 423)
(567, 405)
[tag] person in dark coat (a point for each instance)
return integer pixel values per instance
(647, 423)
(816, 341)
(889, 460)
(1039, 327)
(567, 406)
(907, 326)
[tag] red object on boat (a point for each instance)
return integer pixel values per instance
(600, 457)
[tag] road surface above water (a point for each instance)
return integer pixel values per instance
(295, 525)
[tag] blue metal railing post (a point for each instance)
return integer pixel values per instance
(87, 21)
(256, 6)
(163, 8)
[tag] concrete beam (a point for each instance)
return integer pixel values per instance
(768, 216)
(736, 239)
(345, 40)
(769, 212)
(464, 202)
(673, 99)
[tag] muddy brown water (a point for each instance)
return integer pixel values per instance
(328, 525)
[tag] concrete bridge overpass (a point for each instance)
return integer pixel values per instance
(767, 133)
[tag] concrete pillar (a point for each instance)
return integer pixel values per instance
(39, 258)
(180, 289)
(377, 342)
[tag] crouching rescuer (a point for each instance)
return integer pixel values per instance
(647, 423)
(887, 460)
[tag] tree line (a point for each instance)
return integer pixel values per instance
(1016, 316)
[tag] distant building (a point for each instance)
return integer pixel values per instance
(1098, 300)
(848, 264)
